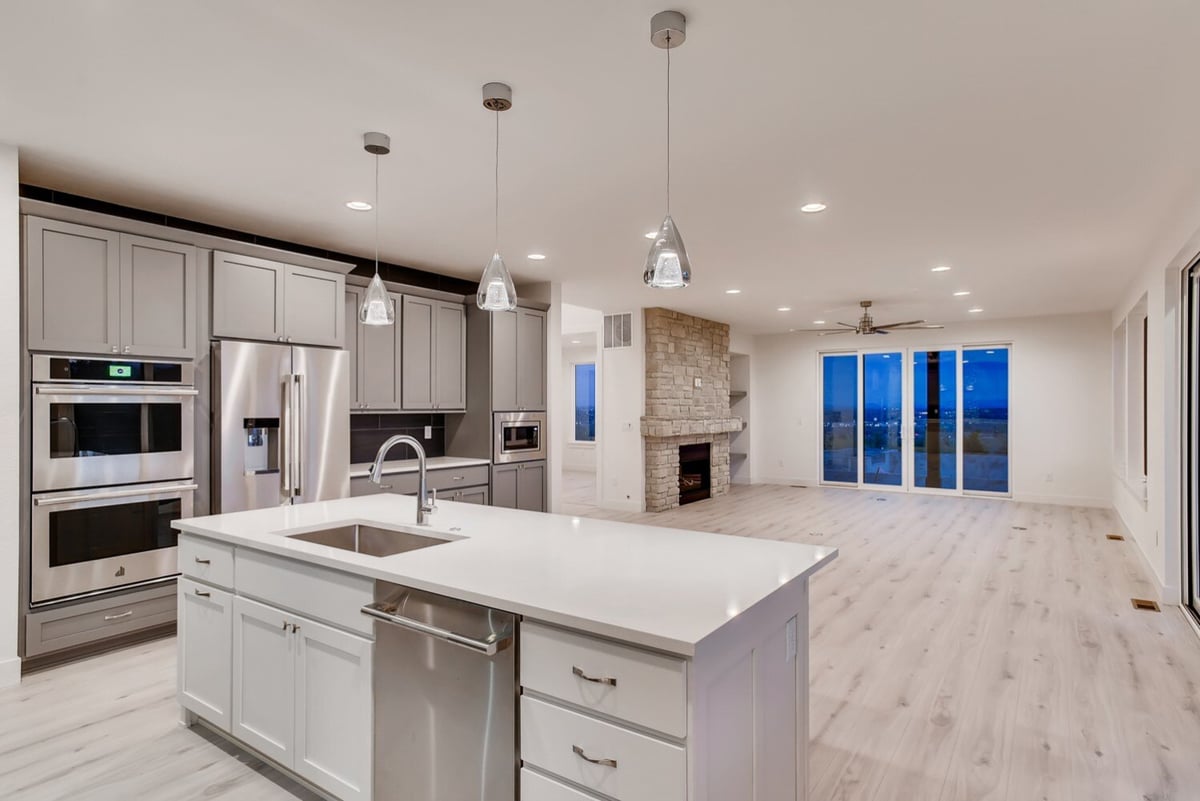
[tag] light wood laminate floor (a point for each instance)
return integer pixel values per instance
(961, 649)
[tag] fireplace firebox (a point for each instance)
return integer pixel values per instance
(695, 472)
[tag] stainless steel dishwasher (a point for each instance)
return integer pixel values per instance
(445, 698)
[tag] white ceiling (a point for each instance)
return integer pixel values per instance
(1038, 148)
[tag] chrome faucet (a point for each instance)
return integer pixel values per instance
(424, 506)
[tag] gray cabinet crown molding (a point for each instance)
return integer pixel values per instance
(70, 214)
(408, 289)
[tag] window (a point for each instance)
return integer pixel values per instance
(585, 402)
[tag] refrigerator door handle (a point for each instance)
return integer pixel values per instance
(285, 438)
(300, 427)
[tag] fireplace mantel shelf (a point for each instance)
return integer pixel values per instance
(666, 427)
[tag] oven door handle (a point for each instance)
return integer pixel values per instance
(90, 390)
(103, 496)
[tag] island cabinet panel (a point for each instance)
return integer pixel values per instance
(639, 686)
(565, 743)
(536, 787)
(328, 595)
(266, 300)
(205, 652)
(206, 560)
(334, 730)
(89, 290)
(264, 670)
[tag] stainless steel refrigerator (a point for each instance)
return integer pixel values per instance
(281, 425)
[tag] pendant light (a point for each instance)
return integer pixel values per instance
(377, 308)
(667, 265)
(496, 291)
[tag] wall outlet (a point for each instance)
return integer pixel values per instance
(698, 383)
(428, 432)
(1049, 478)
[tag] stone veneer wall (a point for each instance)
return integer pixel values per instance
(679, 349)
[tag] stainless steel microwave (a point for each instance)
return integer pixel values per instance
(520, 437)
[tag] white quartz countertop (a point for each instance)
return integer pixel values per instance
(662, 588)
(363, 469)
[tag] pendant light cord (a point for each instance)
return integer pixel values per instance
(377, 214)
(496, 249)
(668, 124)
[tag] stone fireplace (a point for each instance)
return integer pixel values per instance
(687, 404)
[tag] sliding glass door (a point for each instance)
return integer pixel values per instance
(923, 420)
(883, 419)
(1192, 418)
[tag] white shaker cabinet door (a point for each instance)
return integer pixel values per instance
(205, 658)
(334, 720)
(264, 679)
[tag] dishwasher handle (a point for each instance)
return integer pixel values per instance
(488, 647)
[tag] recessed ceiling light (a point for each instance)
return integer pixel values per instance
(784, 308)
(733, 291)
(576, 341)
(651, 234)
(536, 256)
(813, 208)
(975, 310)
(818, 322)
(358, 205)
(941, 268)
(962, 293)
(791, 330)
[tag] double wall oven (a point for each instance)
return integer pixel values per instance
(113, 465)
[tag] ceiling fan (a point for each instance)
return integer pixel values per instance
(866, 325)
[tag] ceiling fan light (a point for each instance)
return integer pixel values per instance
(667, 265)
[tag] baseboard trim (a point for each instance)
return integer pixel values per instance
(1168, 594)
(10, 672)
(621, 506)
(1064, 500)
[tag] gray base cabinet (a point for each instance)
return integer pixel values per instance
(519, 361)
(95, 291)
(271, 301)
(520, 486)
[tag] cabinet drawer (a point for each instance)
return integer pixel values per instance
(318, 592)
(206, 560)
(536, 787)
(458, 477)
(642, 687)
(79, 624)
(646, 769)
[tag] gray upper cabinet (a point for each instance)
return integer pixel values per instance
(353, 299)
(95, 291)
(433, 360)
(521, 485)
(519, 361)
(380, 363)
(267, 300)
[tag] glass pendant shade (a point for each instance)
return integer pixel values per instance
(377, 308)
(667, 265)
(496, 290)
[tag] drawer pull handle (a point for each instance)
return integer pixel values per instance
(460, 478)
(608, 763)
(203, 594)
(118, 617)
(611, 682)
(200, 561)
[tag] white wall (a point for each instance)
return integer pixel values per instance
(10, 427)
(579, 456)
(622, 470)
(1060, 402)
(1151, 514)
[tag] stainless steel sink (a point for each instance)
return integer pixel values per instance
(369, 540)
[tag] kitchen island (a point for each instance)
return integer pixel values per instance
(653, 664)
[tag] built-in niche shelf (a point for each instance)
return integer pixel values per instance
(739, 406)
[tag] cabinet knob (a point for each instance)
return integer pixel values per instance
(289, 339)
(127, 348)
(278, 339)
(114, 348)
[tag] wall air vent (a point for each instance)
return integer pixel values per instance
(618, 330)
(1116, 537)
(1145, 604)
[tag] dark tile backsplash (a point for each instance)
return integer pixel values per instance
(368, 432)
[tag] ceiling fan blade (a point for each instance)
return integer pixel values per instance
(915, 327)
(847, 325)
(830, 332)
(880, 331)
(901, 325)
